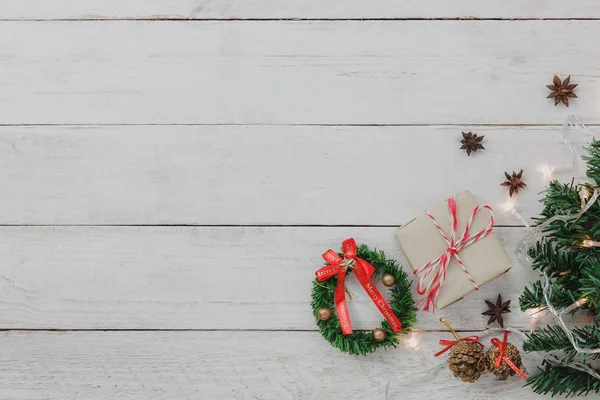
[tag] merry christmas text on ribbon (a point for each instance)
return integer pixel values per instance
(363, 272)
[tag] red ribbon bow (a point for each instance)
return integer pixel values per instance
(502, 356)
(451, 343)
(363, 271)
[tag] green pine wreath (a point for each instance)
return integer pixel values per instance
(361, 341)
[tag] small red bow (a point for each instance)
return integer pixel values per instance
(502, 356)
(451, 343)
(363, 271)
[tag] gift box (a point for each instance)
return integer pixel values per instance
(483, 259)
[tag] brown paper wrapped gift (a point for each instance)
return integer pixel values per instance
(485, 260)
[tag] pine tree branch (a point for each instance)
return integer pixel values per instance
(593, 162)
(562, 380)
(574, 273)
(553, 338)
(533, 297)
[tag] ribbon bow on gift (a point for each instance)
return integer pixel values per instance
(363, 271)
(439, 266)
(503, 357)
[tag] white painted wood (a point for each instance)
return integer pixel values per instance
(261, 174)
(201, 278)
(231, 365)
(156, 9)
(344, 72)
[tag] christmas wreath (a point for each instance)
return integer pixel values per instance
(329, 300)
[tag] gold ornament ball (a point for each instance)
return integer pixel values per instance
(388, 280)
(325, 313)
(379, 335)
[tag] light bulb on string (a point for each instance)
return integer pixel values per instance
(509, 206)
(579, 303)
(589, 243)
(547, 171)
(534, 315)
(584, 194)
(413, 341)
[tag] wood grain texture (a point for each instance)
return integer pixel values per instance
(290, 72)
(202, 278)
(230, 365)
(263, 175)
(156, 9)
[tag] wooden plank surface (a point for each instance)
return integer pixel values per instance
(338, 9)
(315, 72)
(264, 175)
(227, 278)
(279, 139)
(230, 365)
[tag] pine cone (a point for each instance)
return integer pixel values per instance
(505, 370)
(465, 360)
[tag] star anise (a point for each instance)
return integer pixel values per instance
(471, 142)
(514, 182)
(561, 91)
(496, 310)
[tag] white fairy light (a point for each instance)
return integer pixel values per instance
(588, 195)
(535, 313)
(509, 206)
(582, 301)
(584, 194)
(413, 341)
(590, 243)
(546, 170)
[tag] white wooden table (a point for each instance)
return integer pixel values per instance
(171, 172)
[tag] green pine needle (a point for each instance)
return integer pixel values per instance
(562, 380)
(574, 272)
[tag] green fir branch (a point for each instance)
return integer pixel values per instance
(574, 272)
(554, 338)
(562, 380)
(590, 287)
(533, 297)
(593, 162)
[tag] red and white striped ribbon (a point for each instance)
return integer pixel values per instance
(436, 269)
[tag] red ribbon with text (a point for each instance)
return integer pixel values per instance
(363, 272)
(451, 343)
(502, 356)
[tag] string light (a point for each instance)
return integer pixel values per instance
(534, 316)
(581, 301)
(584, 195)
(590, 243)
(509, 206)
(539, 232)
(575, 305)
(584, 192)
(535, 313)
(546, 171)
(413, 341)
